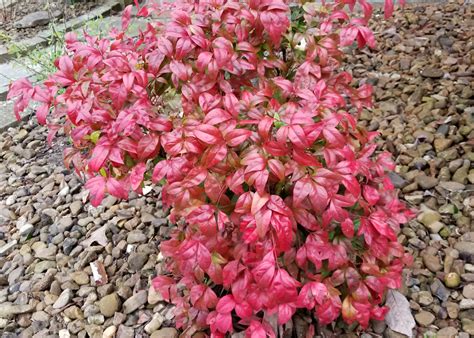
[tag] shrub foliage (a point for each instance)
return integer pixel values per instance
(280, 201)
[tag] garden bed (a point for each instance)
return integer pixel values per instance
(51, 242)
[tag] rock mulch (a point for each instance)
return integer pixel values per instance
(424, 87)
(67, 268)
(71, 270)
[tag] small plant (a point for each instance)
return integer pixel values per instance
(280, 201)
(41, 62)
(38, 61)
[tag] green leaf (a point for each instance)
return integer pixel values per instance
(218, 259)
(129, 162)
(279, 124)
(94, 137)
(358, 243)
(356, 225)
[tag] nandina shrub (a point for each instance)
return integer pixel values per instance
(280, 201)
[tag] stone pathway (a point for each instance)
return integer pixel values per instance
(6, 114)
(12, 71)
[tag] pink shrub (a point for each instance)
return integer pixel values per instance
(279, 199)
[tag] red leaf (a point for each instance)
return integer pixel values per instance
(224, 322)
(195, 177)
(243, 310)
(235, 181)
(208, 134)
(215, 190)
(202, 297)
(371, 194)
(256, 330)
(306, 219)
(277, 169)
(284, 231)
(312, 294)
(165, 46)
(285, 85)
(226, 304)
(216, 116)
(297, 136)
(264, 272)
(147, 146)
(214, 155)
(128, 80)
(303, 188)
(126, 17)
(163, 284)
(42, 112)
(230, 272)
(258, 179)
(195, 253)
(203, 60)
(66, 66)
(348, 228)
(179, 69)
(99, 155)
(304, 158)
(388, 8)
(219, 323)
(262, 222)
(258, 202)
(160, 171)
(231, 104)
(136, 176)
(96, 187)
(117, 188)
(285, 312)
(237, 136)
(264, 127)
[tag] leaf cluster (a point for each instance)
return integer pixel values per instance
(281, 203)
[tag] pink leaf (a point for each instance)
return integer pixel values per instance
(117, 188)
(226, 304)
(147, 146)
(203, 60)
(264, 272)
(208, 134)
(136, 176)
(99, 155)
(42, 112)
(96, 187)
(347, 227)
(237, 136)
(216, 116)
(127, 12)
(371, 194)
(388, 8)
(312, 294)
